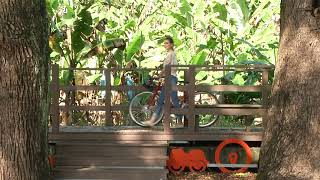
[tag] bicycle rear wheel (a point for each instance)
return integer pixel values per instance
(206, 98)
(141, 108)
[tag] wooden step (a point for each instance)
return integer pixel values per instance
(111, 161)
(110, 173)
(109, 151)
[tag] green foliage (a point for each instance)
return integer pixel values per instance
(84, 33)
(129, 33)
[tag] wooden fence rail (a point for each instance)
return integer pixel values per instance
(190, 87)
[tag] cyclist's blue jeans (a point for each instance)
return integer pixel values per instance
(174, 96)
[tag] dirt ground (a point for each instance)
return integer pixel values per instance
(212, 176)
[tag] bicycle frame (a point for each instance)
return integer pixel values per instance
(155, 92)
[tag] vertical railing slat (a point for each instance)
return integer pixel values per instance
(186, 82)
(55, 95)
(265, 77)
(193, 125)
(265, 92)
(108, 120)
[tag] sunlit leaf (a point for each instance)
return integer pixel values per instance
(93, 78)
(134, 46)
(185, 8)
(222, 10)
(200, 58)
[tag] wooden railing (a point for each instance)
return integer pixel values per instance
(217, 109)
(191, 87)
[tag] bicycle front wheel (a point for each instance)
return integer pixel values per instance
(141, 108)
(206, 98)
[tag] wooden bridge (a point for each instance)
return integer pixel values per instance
(111, 152)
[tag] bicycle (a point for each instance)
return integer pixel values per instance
(143, 105)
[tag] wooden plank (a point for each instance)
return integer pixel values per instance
(192, 124)
(135, 143)
(216, 135)
(231, 88)
(238, 67)
(108, 120)
(82, 108)
(99, 144)
(234, 165)
(99, 161)
(55, 94)
(142, 88)
(126, 107)
(110, 69)
(126, 88)
(67, 172)
(231, 111)
(109, 151)
(253, 106)
(82, 88)
(113, 88)
(257, 66)
(228, 69)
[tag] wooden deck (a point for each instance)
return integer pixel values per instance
(106, 134)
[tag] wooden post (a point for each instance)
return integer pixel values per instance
(265, 92)
(108, 121)
(167, 102)
(186, 81)
(193, 125)
(55, 95)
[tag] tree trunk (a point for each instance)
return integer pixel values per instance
(23, 90)
(291, 143)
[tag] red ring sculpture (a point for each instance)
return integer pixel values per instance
(233, 156)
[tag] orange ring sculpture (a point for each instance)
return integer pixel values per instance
(233, 156)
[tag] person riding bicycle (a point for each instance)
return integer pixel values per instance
(170, 60)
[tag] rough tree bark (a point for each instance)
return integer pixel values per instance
(291, 144)
(23, 90)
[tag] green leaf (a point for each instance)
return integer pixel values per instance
(212, 43)
(180, 19)
(260, 9)
(70, 12)
(200, 58)
(108, 43)
(185, 8)
(130, 25)
(118, 55)
(54, 4)
(134, 46)
(242, 57)
(84, 24)
(238, 80)
(222, 10)
(201, 75)
(84, 51)
(117, 80)
(93, 78)
(77, 43)
(244, 8)
(199, 9)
